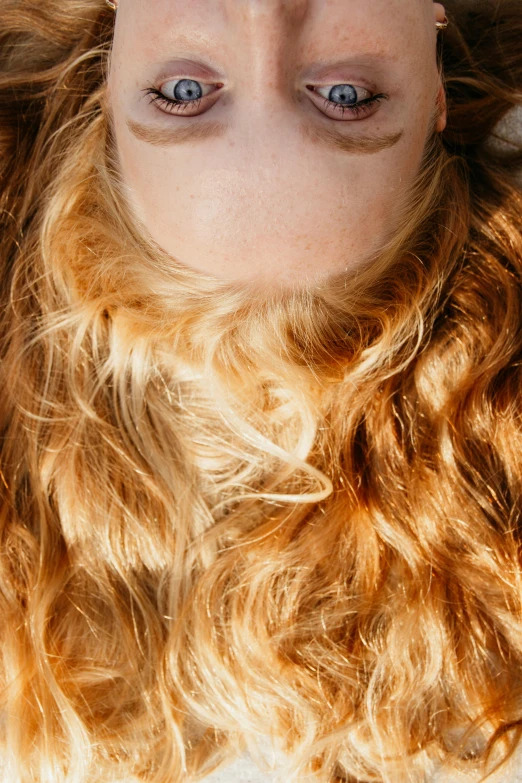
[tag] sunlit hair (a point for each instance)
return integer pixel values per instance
(232, 515)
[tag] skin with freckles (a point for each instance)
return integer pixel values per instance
(301, 126)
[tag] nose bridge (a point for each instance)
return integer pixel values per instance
(292, 10)
(268, 31)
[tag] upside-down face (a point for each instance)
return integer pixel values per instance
(273, 139)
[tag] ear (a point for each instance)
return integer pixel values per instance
(442, 110)
(440, 12)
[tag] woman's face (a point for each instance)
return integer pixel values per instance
(301, 126)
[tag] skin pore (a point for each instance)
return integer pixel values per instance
(267, 171)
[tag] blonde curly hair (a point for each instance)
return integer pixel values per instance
(231, 514)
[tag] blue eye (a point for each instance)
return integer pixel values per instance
(347, 99)
(343, 94)
(187, 95)
(187, 90)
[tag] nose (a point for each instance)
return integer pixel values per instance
(264, 37)
(294, 11)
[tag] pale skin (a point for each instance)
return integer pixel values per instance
(278, 188)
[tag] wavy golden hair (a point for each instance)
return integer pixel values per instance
(232, 514)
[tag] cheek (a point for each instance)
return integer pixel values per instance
(377, 186)
(148, 176)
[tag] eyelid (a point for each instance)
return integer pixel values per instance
(171, 105)
(363, 109)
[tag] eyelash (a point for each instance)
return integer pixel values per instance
(168, 104)
(357, 108)
(159, 98)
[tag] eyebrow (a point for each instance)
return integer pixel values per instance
(363, 145)
(327, 137)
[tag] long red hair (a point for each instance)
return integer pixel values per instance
(227, 517)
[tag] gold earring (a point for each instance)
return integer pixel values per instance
(112, 6)
(442, 25)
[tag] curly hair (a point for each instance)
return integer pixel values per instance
(229, 514)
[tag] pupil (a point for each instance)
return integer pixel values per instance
(344, 93)
(187, 89)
